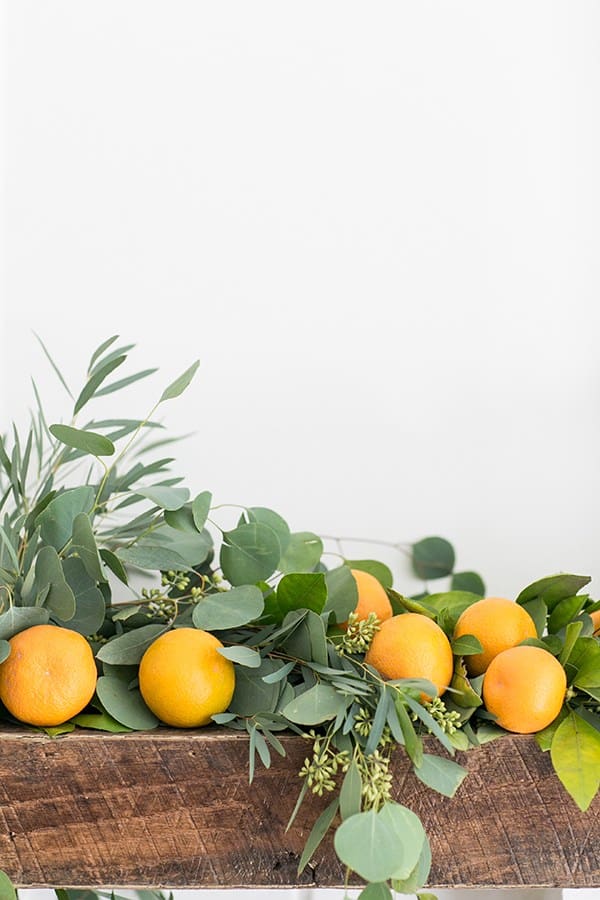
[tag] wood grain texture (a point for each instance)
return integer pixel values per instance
(174, 809)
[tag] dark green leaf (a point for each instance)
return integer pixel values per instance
(114, 564)
(249, 553)
(564, 612)
(128, 648)
(553, 589)
(178, 386)
(432, 557)
(468, 581)
(89, 441)
(126, 706)
(301, 591)
(228, 609)
(538, 611)
(466, 645)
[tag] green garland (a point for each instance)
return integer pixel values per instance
(83, 506)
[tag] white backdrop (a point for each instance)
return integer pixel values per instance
(376, 225)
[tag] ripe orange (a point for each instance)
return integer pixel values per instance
(595, 616)
(412, 646)
(524, 687)
(499, 624)
(49, 677)
(371, 597)
(184, 680)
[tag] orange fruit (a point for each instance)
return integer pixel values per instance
(184, 680)
(498, 624)
(371, 597)
(595, 617)
(412, 646)
(524, 687)
(49, 676)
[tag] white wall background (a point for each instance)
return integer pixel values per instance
(377, 226)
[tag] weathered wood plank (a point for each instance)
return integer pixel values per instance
(174, 809)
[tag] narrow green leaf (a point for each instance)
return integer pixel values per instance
(124, 382)
(318, 832)
(100, 350)
(351, 792)
(178, 386)
(114, 564)
(6, 542)
(95, 380)
(89, 441)
(54, 366)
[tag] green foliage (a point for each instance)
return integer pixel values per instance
(86, 504)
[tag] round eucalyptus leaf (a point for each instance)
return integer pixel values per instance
(432, 557)
(17, 618)
(366, 844)
(126, 706)
(377, 569)
(249, 553)
(318, 704)
(302, 553)
(269, 517)
(228, 609)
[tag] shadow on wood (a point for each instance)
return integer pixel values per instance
(174, 809)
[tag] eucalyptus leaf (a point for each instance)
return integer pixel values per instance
(124, 705)
(128, 649)
(269, 517)
(302, 553)
(249, 553)
(243, 656)
(351, 791)
(152, 557)
(100, 373)
(376, 891)
(165, 497)
(90, 607)
(342, 593)
(84, 543)
(178, 386)
(201, 508)
(253, 695)
(228, 609)
(49, 574)
(443, 775)
(319, 704)
(101, 721)
(88, 441)
(114, 564)
(301, 591)
(318, 832)
(56, 520)
(18, 618)
(4, 650)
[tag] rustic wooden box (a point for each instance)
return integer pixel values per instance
(174, 809)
